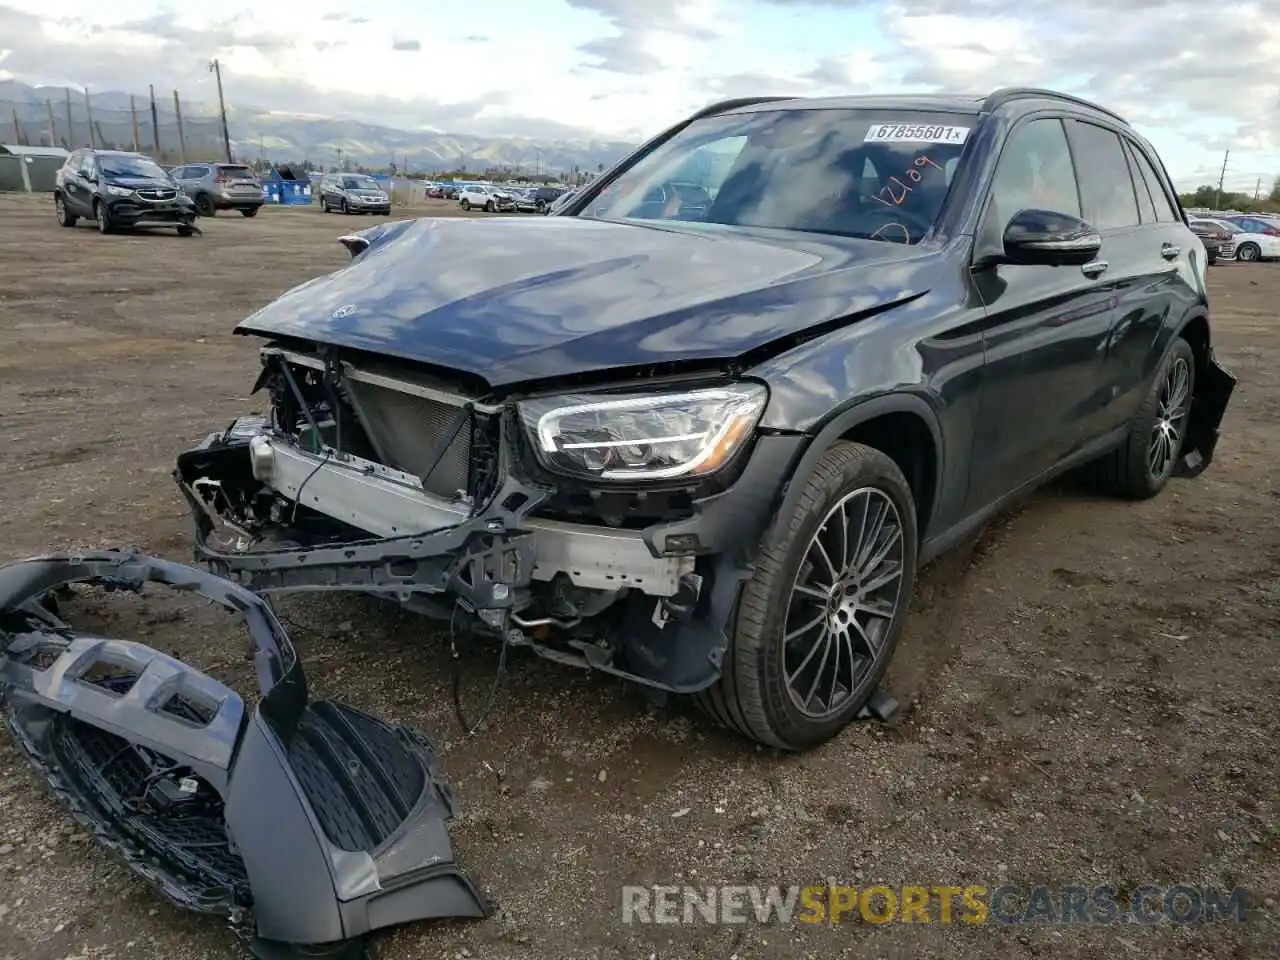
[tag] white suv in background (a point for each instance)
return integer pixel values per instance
(486, 198)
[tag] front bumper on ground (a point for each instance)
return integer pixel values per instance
(681, 578)
(305, 823)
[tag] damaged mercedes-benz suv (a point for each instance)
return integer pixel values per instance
(700, 427)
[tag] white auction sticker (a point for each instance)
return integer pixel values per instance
(915, 133)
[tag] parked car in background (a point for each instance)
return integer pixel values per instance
(704, 439)
(120, 190)
(485, 197)
(435, 191)
(561, 201)
(451, 191)
(220, 186)
(525, 200)
(1216, 237)
(1258, 239)
(353, 193)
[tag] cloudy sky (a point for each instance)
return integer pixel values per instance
(1195, 77)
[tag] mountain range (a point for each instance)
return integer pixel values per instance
(258, 133)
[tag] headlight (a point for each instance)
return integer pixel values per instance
(644, 436)
(119, 191)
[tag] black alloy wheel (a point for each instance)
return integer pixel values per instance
(103, 216)
(818, 621)
(1172, 409)
(65, 217)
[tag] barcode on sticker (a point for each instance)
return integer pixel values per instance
(915, 133)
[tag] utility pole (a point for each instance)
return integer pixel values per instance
(133, 116)
(222, 107)
(182, 137)
(17, 128)
(155, 123)
(88, 106)
(1217, 202)
(1257, 189)
(71, 129)
(53, 127)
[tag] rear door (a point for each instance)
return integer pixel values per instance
(1046, 327)
(1175, 261)
(72, 186)
(1143, 255)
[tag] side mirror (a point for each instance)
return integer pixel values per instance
(85, 175)
(1048, 238)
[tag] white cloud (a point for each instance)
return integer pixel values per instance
(1198, 78)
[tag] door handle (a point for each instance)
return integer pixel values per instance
(1169, 251)
(1095, 268)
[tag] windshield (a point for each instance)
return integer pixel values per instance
(879, 175)
(359, 183)
(121, 166)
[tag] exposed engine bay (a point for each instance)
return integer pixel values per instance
(363, 477)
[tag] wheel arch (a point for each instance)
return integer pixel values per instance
(1195, 330)
(903, 427)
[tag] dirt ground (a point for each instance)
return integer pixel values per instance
(1091, 687)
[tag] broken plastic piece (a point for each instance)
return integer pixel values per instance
(880, 706)
(308, 824)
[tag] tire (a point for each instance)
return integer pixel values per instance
(489, 207)
(752, 695)
(65, 217)
(101, 214)
(1128, 471)
(466, 206)
(1248, 253)
(250, 211)
(204, 206)
(343, 208)
(185, 230)
(1213, 259)
(541, 207)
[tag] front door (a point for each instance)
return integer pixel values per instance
(1046, 330)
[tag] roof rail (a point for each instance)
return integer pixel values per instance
(723, 106)
(1004, 95)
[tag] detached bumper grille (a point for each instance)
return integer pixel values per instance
(408, 430)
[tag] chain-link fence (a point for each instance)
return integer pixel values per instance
(170, 135)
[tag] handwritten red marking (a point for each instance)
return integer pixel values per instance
(895, 192)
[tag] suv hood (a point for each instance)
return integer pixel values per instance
(518, 300)
(139, 183)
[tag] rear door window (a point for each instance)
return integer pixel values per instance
(1164, 209)
(1146, 208)
(1106, 187)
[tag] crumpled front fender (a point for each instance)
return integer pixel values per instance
(306, 822)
